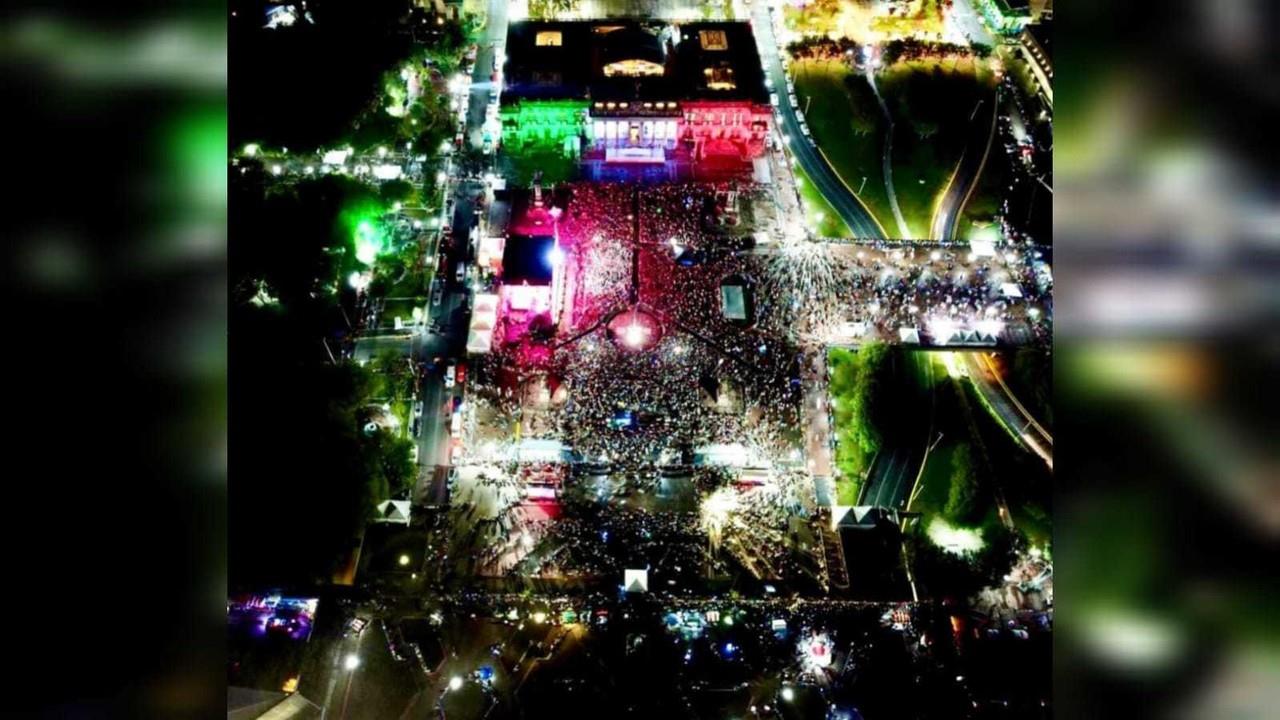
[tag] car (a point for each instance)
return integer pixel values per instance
(449, 375)
(768, 82)
(804, 129)
(455, 424)
(437, 294)
(461, 272)
(460, 376)
(791, 86)
(773, 99)
(487, 148)
(791, 97)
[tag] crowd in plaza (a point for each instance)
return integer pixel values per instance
(814, 290)
(704, 378)
(597, 227)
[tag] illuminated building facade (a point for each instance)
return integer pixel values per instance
(631, 92)
(1006, 17)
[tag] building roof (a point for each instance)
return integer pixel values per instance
(628, 60)
(1042, 33)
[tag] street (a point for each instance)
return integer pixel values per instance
(841, 197)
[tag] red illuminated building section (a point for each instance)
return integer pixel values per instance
(656, 93)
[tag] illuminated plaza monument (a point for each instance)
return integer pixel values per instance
(674, 101)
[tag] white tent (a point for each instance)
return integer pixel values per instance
(336, 157)
(532, 450)
(394, 511)
(983, 248)
(479, 341)
(909, 335)
(1011, 290)
(484, 315)
(388, 172)
(635, 580)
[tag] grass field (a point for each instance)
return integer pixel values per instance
(931, 102)
(832, 109)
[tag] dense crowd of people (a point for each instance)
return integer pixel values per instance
(706, 379)
(597, 227)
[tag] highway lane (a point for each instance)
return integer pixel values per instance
(840, 196)
(968, 170)
(1008, 411)
(889, 481)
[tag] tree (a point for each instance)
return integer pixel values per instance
(869, 407)
(1033, 376)
(998, 555)
(963, 492)
(294, 237)
(864, 110)
(395, 191)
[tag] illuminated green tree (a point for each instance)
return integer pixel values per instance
(963, 493)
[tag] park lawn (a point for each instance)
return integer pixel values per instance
(847, 491)
(411, 285)
(921, 170)
(906, 381)
(984, 204)
(402, 308)
(935, 481)
(852, 155)
(818, 213)
(923, 165)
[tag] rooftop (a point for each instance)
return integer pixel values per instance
(632, 60)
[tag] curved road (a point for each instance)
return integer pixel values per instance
(839, 195)
(982, 131)
(1006, 408)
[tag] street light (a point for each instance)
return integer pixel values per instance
(455, 682)
(788, 694)
(351, 662)
(404, 559)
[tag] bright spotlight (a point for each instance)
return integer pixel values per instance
(635, 335)
(351, 662)
(555, 256)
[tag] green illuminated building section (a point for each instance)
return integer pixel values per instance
(1007, 17)
(534, 126)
